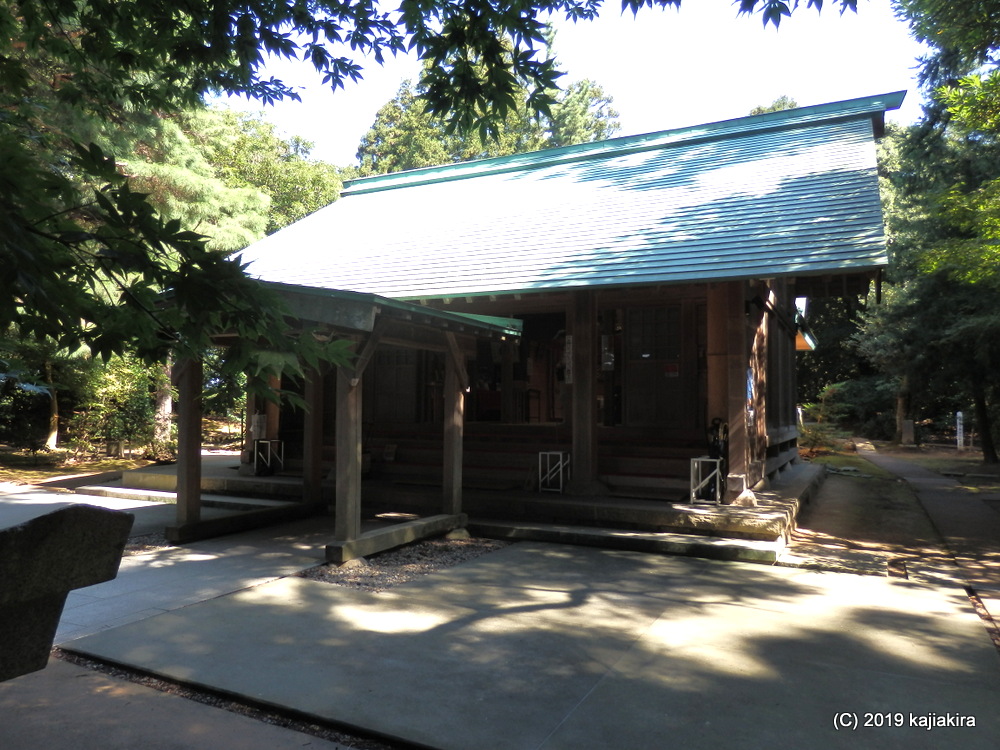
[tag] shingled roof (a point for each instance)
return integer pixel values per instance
(791, 193)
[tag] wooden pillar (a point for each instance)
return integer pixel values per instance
(762, 322)
(717, 326)
(347, 516)
(312, 448)
(507, 400)
(759, 322)
(737, 364)
(272, 409)
(583, 419)
(728, 360)
(454, 430)
(189, 392)
(246, 455)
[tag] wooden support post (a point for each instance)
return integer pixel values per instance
(583, 420)
(762, 321)
(455, 383)
(737, 364)
(507, 400)
(246, 455)
(717, 335)
(728, 363)
(347, 516)
(189, 391)
(272, 409)
(312, 449)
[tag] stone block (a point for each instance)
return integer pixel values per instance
(42, 561)
(909, 436)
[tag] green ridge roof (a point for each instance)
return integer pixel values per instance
(782, 194)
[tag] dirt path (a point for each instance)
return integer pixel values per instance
(869, 523)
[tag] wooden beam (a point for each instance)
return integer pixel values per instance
(347, 515)
(189, 407)
(378, 540)
(368, 350)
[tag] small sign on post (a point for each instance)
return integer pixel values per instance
(960, 430)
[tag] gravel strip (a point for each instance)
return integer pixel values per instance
(387, 569)
(138, 545)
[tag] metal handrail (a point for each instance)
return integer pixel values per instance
(559, 470)
(699, 482)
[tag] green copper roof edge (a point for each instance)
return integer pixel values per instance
(829, 112)
(505, 326)
(836, 268)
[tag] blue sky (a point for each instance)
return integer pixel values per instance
(665, 69)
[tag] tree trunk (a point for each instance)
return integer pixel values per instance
(984, 423)
(902, 406)
(52, 439)
(162, 420)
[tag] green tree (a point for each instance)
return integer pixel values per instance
(114, 407)
(942, 336)
(246, 152)
(942, 207)
(174, 168)
(783, 102)
(86, 256)
(583, 113)
(39, 385)
(934, 331)
(406, 136)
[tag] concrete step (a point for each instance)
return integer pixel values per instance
(158, 496)
(670, 494)
(668, 543)
(680, 484)
(645, 465)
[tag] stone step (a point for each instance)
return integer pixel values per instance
(667, 543)
(159, 496)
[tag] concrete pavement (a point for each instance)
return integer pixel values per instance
(535, 646)
(547, 646)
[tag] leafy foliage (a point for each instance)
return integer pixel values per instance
(937, 329)
(246, 152)
(406, 136)
(780, 104)
(105, 247)
(154, 53)
(408, 133)
(834, 320)
(116, 409)
(965, 34)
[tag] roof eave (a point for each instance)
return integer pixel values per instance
(357, 312)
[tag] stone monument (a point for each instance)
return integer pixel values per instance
(41, 561)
